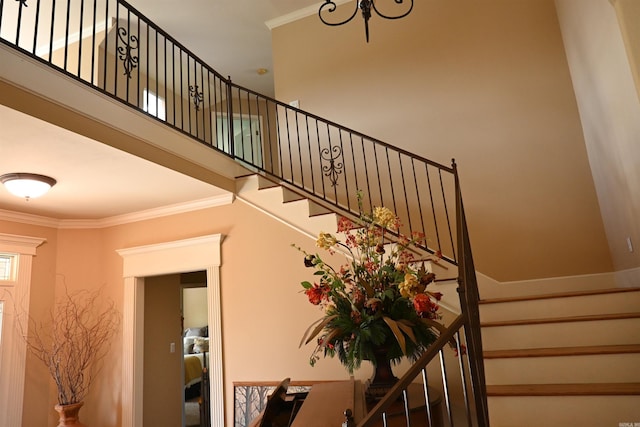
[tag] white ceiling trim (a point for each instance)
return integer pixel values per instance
(178, 208)
(299, 14)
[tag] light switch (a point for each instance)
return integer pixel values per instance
(172, 347)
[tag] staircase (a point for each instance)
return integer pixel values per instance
(551, 360)
(563, 359)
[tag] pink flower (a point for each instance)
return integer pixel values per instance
(370, 266)
(344, 225)
(356, 316)
(358, 298)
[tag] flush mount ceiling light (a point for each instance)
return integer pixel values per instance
(366, 6)
(27, 185)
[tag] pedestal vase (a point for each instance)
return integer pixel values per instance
(69, 415)
(383, 378)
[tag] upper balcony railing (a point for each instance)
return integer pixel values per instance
(111, 47)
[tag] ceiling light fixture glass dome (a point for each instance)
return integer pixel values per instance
(27, 185)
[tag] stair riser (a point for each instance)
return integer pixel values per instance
(600, 332)
(624, 302)
(602, 368)
(563, 411)
(295, 213)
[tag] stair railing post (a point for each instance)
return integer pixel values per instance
(468, 290)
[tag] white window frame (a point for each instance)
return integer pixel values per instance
(8, 272)
(14, 294)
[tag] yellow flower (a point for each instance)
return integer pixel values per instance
(326, 240)
(384, 217)
(409, 286)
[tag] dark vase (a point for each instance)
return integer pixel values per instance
(69, 415)
(382, 379)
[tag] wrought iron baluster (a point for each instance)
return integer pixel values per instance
(335, 167)
(196, 95)
(66, 35)
(129, 61)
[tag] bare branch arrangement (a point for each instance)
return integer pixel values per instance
(73, 340)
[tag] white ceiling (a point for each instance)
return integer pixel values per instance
(229, 35)
(96, 181)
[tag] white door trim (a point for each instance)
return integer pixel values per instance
(13, 350)
(200, 253)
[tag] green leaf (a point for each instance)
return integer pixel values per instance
(306, 285)
(307, 337)
(330, 337)
(407, 328)
(368, 289)
(393, 325)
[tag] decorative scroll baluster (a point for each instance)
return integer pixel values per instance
(129, 61)
(335, 167)
(196, 96)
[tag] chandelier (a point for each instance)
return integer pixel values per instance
(365, 6)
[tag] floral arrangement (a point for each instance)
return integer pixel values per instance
(377, 300)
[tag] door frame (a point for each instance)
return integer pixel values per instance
(15, 294)
(200, 253)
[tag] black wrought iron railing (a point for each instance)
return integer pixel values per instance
(111, 47)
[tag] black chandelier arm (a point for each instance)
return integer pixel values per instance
(365, 7)
(330, 7)
(394, 17)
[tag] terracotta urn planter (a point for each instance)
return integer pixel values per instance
(69, 415)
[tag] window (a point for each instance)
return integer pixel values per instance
(7, 263)
(154, 105)
(247, 137)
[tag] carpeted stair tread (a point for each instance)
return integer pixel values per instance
(562, 351)
(590, 389)
(591, 317)
(558, 295)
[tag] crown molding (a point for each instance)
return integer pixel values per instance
(163, 211)
(299, 14)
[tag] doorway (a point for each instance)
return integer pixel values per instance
(195, 345)
(200, 253)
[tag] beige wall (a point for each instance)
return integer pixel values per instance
(628, 12)
(485, 82)
(610, 112)
(264, 312)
